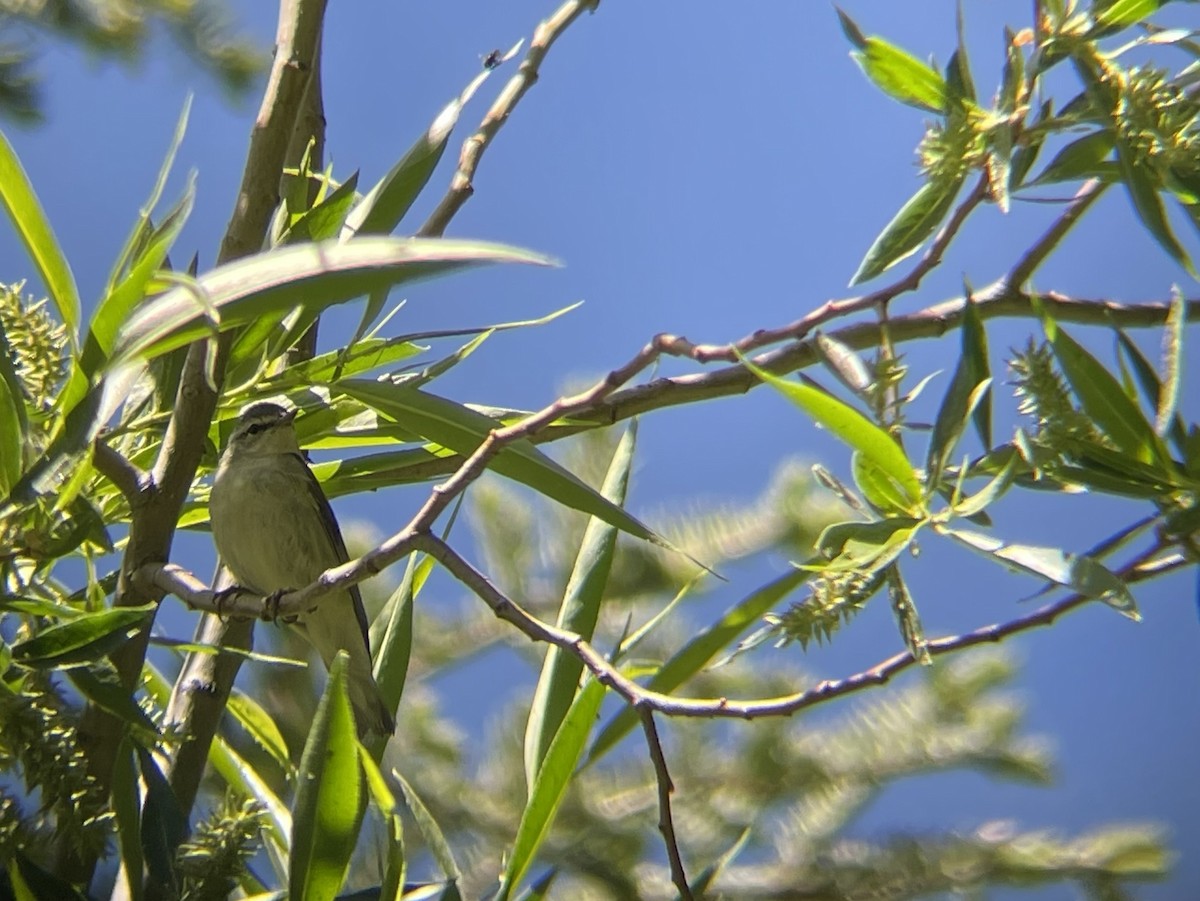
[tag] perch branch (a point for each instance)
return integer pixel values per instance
(169, 578)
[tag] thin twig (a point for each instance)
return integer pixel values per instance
(666, 823)
(461, 185)
(1089, 192)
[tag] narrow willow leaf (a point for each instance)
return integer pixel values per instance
(393, 647)
(907, 617)
(324, 219)
(1074, 571)
(12, 432)
(864, 547)
(435, 839)
(850, 426)
(558, 682)
(904, 235)
(701, 884)
(1102, 397)
(462, 430)
(1168, 400)
(322, 275)
(101, 685)
(958, 407)
(260, 726)
(82, 640)
(31, 224)
(553, 779)
(1151, 388)
(879, 488)
(1084, 157)
(697, 653)
(136, 242)
(1123, 13)
(329, 793)
(164, 824)
(127, 811)
(975, 352)
(394, 865)
(989, 493)
(896, 72)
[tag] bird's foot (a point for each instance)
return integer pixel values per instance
(271, 606)
(225, 596)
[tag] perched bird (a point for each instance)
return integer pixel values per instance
(275, 531)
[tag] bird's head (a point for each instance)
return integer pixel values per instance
(263, 428)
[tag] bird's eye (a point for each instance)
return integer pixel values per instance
(257, 427)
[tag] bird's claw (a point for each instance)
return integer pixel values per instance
(271, 605)
(223, 597)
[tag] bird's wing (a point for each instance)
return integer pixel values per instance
(329, 521)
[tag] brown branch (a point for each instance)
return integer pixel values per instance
(461, 184)
(607, 403)
(666, 823)
(205, 681)
(1155, 562)
(152, 527)
(1089, 192)
(132, 482)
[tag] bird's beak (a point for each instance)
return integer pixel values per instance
(290, 416)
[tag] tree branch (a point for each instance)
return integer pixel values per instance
(461, 185)
(1155, 562)
(666, 823)
(152, 527)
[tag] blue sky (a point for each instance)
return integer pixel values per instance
(706, 169)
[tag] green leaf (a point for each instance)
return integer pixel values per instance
(164, 824)
(325, 219)
(395, 864)
(329, 796)
(904, 235)
(850, 426)
(1084, 157)
(318, 275)
(435, 839)
(958, 406)
(907, 618)
(864, 547)
(101, 685)
(127, 813)
(82, 640)
(698, 652)
(1122, 13)
(1151, 387)
(260, 726)
(880, 489)
(558, 682)
(1102, 397)
(553, 779)
(993, 490)
(975, 353)
(894, 71)
(1077, 572)
(462, 430)
(12, 432)
(29, 219)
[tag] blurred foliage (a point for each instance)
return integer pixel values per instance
(118, 29)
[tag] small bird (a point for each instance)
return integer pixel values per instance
(275, 531)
